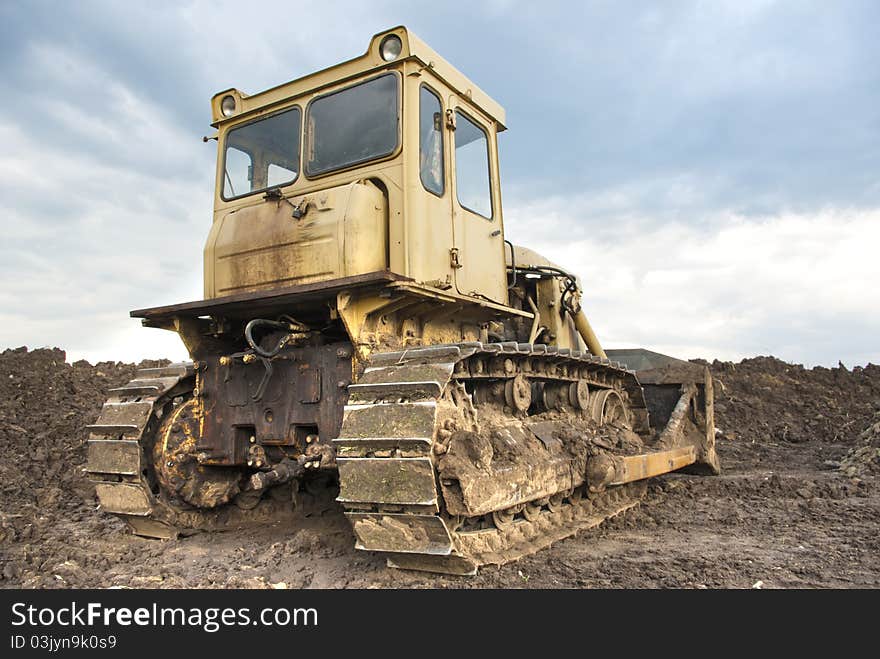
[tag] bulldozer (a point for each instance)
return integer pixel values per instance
(366, 326)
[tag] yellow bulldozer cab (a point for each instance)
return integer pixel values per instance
(386, 162)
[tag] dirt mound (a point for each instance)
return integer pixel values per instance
(765, 398)
(781, 513)
(45, 404)
(864, 458)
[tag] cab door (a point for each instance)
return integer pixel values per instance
(429, 211)
(478, 254)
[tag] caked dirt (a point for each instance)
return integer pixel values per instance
(797, 504)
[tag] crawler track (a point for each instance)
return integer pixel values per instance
(449, 457)
(121, 461)
(421, 455)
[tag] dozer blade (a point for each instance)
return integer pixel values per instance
(673, 388)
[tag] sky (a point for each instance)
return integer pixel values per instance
(711, 170)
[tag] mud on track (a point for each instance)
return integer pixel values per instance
(797, 504)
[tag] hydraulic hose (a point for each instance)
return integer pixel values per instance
(262, 322)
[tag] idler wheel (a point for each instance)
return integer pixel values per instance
(607, 407)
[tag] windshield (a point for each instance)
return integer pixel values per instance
(354, 125)
(262, 154)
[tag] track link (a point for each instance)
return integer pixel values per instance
(121, 454)
(400, 428)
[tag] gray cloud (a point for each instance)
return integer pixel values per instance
(649, 116)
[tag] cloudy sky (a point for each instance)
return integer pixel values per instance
(710, 169)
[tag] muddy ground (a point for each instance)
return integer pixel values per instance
(798, 503)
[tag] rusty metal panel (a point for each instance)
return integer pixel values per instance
(304, 395)
(397, 481)
(113, 456)
(123, 498)
(252, 303)
(423, 534)
(308, 385)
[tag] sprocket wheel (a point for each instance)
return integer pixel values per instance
(177, 468)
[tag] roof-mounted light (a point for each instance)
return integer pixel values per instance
(390, 48)
(227, 106)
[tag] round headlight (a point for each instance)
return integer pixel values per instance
(390, 47)
(227, 106)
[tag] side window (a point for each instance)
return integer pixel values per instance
(239, 173)
(472, 167)
(431, 141)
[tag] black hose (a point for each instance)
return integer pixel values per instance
(556, 273)
(262, 322)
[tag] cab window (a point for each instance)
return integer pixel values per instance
(354, 125)
(472, 166)
(262, 154)
(431, 141)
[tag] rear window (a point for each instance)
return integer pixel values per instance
(353, 126)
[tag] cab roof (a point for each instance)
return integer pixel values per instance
(413, 49)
